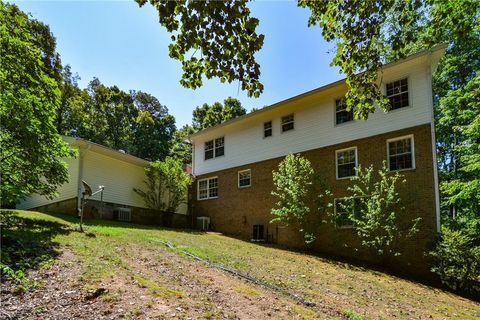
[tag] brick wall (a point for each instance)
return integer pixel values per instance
(235, 211)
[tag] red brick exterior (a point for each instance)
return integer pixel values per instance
(235, 211)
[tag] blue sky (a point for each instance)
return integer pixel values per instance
(124, 45)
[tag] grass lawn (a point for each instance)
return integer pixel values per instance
(122, 256)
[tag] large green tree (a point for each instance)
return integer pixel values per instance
(207, 116)
(31, 149)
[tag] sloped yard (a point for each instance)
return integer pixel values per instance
(120, 270)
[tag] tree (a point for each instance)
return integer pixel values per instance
(208, 116)
(31, 149)
(182, 150)
(221, 32)
(294, 189)
(375, 209)
(153, 128)
(167, 185)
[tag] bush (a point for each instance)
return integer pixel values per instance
(456, 257)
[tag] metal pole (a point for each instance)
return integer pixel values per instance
(81, 212)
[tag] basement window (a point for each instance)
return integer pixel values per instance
(208, 188)
(401, 153)
(397, 93)
(342, 209)
(288, 123)
(258, 232)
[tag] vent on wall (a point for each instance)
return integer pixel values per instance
(124, 214)
(258, 232)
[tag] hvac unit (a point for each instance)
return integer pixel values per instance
(124, 214)
(203, 223)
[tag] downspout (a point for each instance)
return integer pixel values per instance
(430, 72)
(82, 151)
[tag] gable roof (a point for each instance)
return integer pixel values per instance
(440, 48)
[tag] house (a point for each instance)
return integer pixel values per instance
(233, 161)
(117, 171)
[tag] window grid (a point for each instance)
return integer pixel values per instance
(341, 113)
(244, 178)
(288, 123)
(208, 188)
(346, 163)
(214, 148)
(267, 129)
(401, 153)
(397, 93)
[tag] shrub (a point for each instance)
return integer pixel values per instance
(456, 257)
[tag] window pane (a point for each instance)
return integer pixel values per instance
(267, 129)
(219, 147)
(212, 187)
(342, 115)
(209, 150)
(244, 179)
(287, 123)
(397, 93)
(400, 154)
(346, 163)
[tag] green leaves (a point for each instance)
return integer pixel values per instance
(293, 183)
(213, 39)
(167, 185)
(208, 116)
(31, 152)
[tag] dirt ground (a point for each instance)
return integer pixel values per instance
(141, 292)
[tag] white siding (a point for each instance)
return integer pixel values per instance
(314, 122)
(64, 192)
(118, 177)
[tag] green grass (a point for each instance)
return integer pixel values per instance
(358, 293)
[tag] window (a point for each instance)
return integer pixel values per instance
(343, 207)
(214, 148)
(258, 232)
(346, 161)
(267, 129)
(397, 93)
(401, 155)
(208, 188)
(244, 178)
(341, 113)
(288, 123)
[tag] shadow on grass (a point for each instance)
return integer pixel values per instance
(27, 243)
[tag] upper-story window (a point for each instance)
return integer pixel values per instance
(267, 129)
(346, 161)
(401, 154)
(341, 113)
(397, 93)
(214, 148)
(288, 123)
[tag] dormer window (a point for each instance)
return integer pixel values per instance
(214, 148)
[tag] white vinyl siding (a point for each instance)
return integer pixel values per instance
(118, 177)
(64, 192)
(314, 125)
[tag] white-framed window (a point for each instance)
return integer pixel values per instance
(401, 153)
(214, 148)
(207, 188)
(288, 123)
(341, 113)
(344, 207)
(267, 129)
(346, 161)
(397, 93)
(244, 178)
